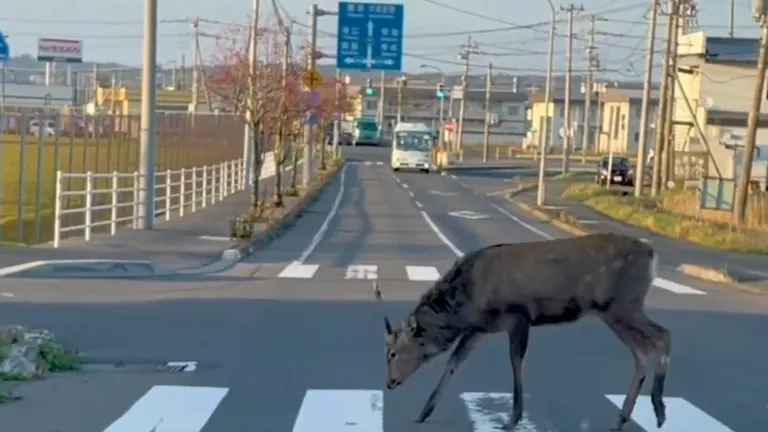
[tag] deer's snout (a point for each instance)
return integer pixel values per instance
(392, 384)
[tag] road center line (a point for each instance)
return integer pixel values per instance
(324, 227)
(520, 221)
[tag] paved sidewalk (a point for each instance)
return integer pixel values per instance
(675, 251)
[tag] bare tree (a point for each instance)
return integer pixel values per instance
(250, 92)
(513, 287)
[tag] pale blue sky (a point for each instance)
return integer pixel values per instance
(111, 29)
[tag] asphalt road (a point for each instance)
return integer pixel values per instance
(302, 349)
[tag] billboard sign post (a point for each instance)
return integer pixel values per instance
(51, 50)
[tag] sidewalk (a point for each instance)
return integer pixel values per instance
(675, 252)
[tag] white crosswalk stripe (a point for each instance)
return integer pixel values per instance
(189, 409)
(366, 163)
(296, 270)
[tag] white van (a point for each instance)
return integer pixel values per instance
(412, 147)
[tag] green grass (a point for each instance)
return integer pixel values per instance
(646, 213)
(28, 173)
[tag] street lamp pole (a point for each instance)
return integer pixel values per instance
(541, 194)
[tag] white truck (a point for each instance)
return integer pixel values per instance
(412, 145)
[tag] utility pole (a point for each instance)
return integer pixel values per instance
(339, 113)
(592, 62)
(567, 127)
(402, 82)
(647, 82)
(250, 136)
(282, 126)
(667, 159)
(731, 19)
(145, 209)
(742, 188)
(487, 126)
(309, 136)
(543, 144)
(196, 67)
(661, 115)
(467, 50)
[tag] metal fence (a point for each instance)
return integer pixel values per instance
(37, 143)
(110, 200)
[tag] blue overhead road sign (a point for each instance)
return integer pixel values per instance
(370, 36)
(5, 49)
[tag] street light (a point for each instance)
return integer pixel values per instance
(547, 99)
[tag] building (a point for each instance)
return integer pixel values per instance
(717, 80)
(36, 96)
(421, 104)
(615, 112)
(127, 100)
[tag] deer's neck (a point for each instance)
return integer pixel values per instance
(441, 327)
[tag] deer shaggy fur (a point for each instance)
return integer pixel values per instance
(513, 287)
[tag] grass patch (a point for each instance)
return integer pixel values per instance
(649, 214)
(59, 359)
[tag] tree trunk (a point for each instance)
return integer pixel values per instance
(279, 159)
(295, 162)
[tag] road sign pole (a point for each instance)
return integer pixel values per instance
(308, 129)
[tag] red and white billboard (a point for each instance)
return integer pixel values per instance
(59, 50)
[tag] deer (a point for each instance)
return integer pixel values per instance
(513, 287)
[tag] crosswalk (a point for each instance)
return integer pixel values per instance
(412, 273)
(366, 163)
(190, 408)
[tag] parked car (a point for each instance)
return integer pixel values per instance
(48, 129)
(345, 138)
(621, 172)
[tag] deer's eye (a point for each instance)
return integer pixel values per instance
(392, 355)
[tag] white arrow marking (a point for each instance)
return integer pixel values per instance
(369, 48)
(466, 214)
(370, 29)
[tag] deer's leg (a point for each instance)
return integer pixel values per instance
(662, 342)
(633, 335)
(518, 345)
(466, 344)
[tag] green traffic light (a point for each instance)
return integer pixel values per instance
(369, 92)
(440, 95)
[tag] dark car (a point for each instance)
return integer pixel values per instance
(621, 172)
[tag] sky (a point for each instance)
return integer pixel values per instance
(111, 30)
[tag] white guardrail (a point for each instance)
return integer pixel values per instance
(177, 192)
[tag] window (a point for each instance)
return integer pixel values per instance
(616, 124)
(560, 111)
(638, 112)
(513, 110)
(637, 137)
(371, 105)
(610, 120)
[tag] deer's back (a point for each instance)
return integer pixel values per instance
(556, 281)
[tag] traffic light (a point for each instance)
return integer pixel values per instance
(369, 87)
(440, 91)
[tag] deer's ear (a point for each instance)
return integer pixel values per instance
(387, 326)
(411, 324)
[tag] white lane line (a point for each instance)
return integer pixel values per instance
(442, 236)
(171, 409)
(379, 163)
(214, 238)
(297, 270)
(489, 412)
(368, 163)
(18, 268)
(362, 271)
(676, 288)
(341, 410)
(410, 193)
(405, 186)
(526, 225)
(418, 204)
(683, 416)
(422, 273)
(324, 227)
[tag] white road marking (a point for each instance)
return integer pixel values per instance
(466, 214)
(645, 240)
(588, 222)
(435, 192)
(380, 163)
(503, 192)
(676, 288)
(518, 220)
(7, 295)
(418, 204)
(405, 186)
(187, 366)
(341, 410)
(358, 271)
(442, 236)
(368, 163)
(214, 238)
(422, 273)
(683, 416)
(487, 414)
(324, 227)
(410, 193)
(171, 409)
(297, 270)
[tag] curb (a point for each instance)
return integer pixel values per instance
(718, 275)
(521, 189)
(543, 217)
(275, 229)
